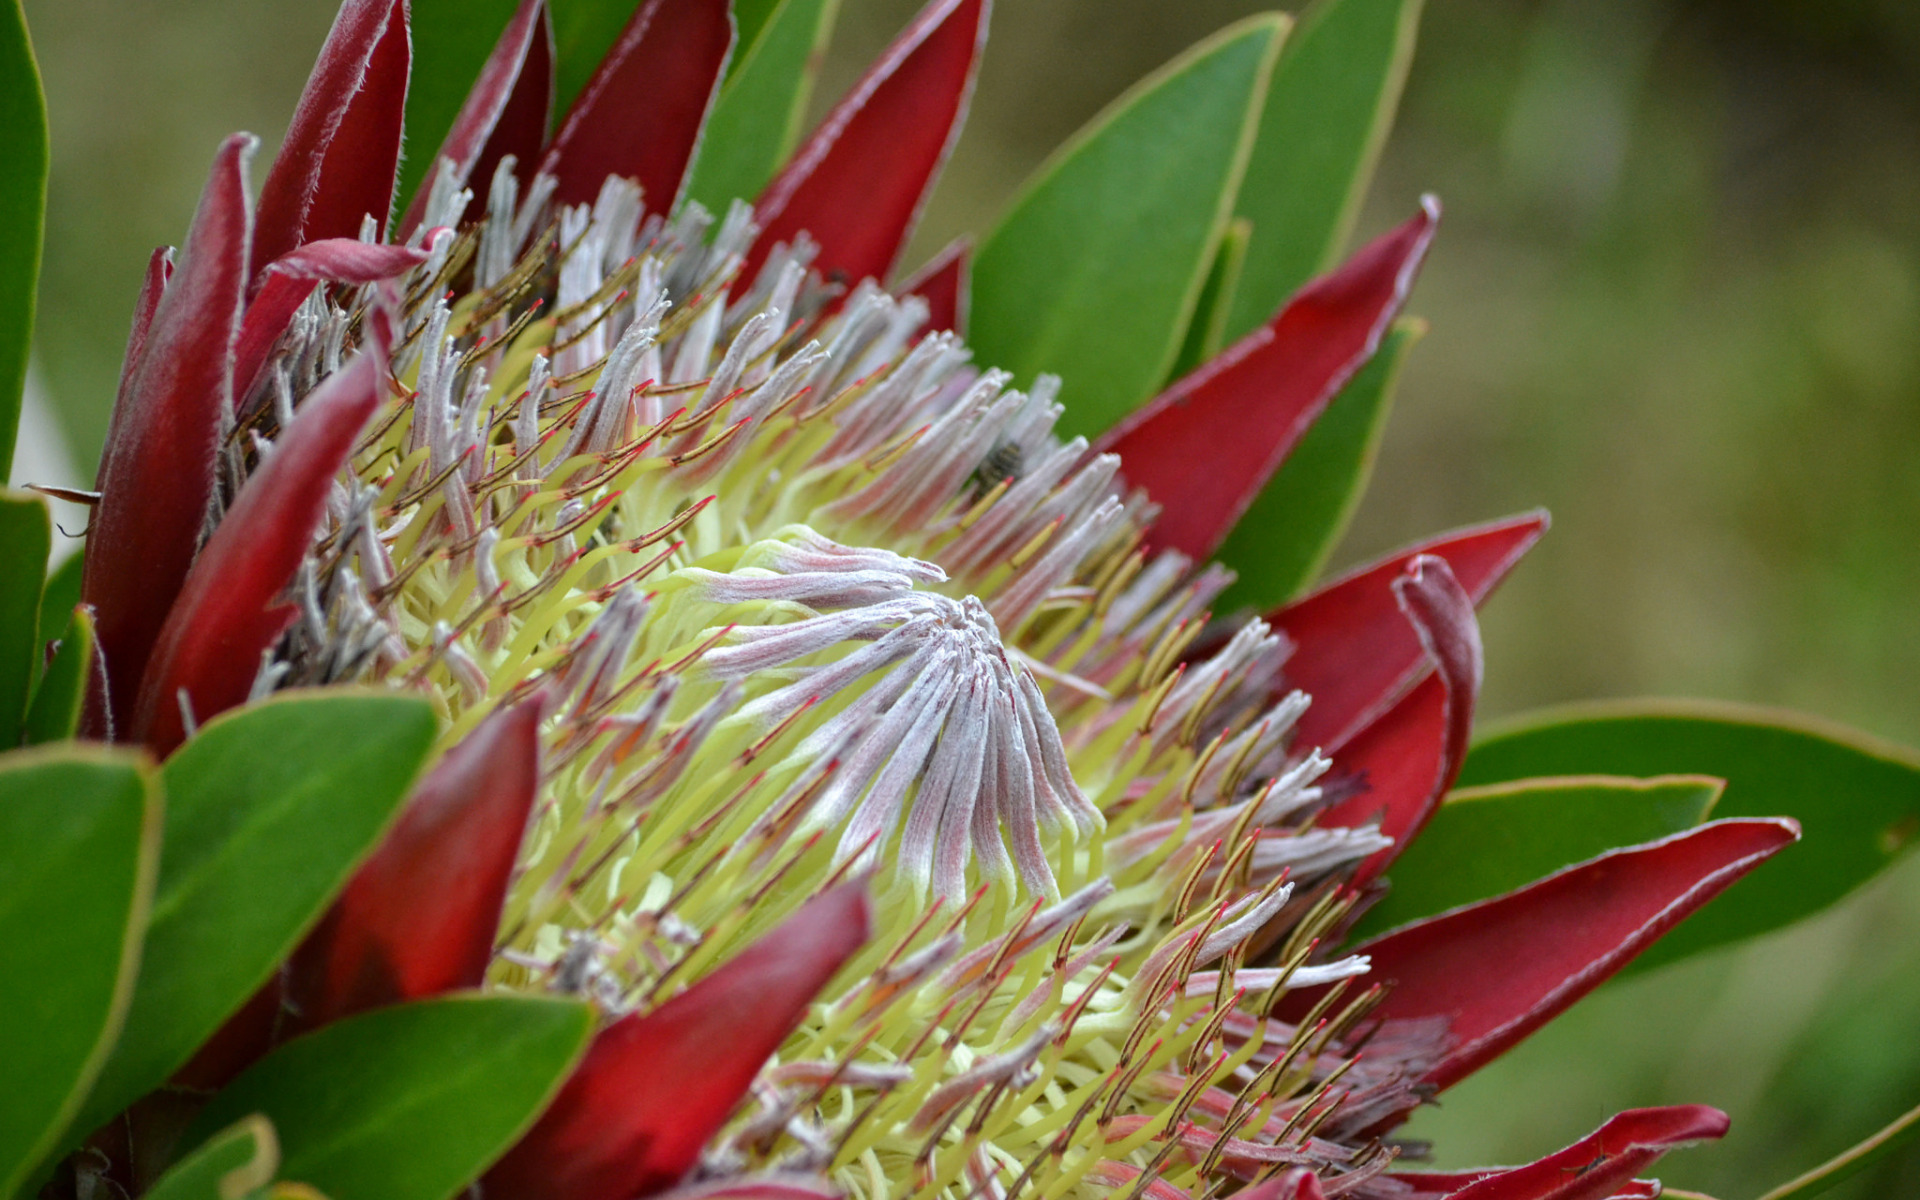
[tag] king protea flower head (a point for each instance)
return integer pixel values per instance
(868, 754)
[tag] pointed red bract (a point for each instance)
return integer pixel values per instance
(1602, 1164)
(420, 916)
(1501, 968)
(505, 112)
(153, 285)
(641, 114)
(342, 151)
(858, 183)
(1409, 757)
(291, 278)
(1205, 447)
(1353, 651)
(229, 610)
(1441, 1185)
(156, 472)
(944, 284)
(654, 1086)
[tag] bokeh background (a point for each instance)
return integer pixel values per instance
(1676, 299)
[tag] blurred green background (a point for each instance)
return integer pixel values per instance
(1676, 299)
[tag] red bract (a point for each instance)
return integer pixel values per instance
(1205, 447)
(505, 113)
(419, 917)
(1297, 1184)
(153, 285)
(229, 610)
(292, 277)
(156, 472)
(654, 1086)
(342, 151)
(1596, 1167)
(1500, 969)
(1354, 652)
(943, 284)
(858, 183)
(641, 114)
(1409, 757)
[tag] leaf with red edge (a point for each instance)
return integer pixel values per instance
(506, 111)
(1599, 1165)
(1353, 651)
(641, 114)
(156, 471)
(342, 151)
(229, 610)
(421, 914)
(291, 278)
(1500, 969)
(654, 1086)
(1205, 447)
(942, 283)
(1408, 758)
(859, 181)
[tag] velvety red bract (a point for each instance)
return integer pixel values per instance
(1297, 1184)
(1501, 968)
(1205, 447)
(342, 151)
(1409, 757)
(156, 471)
(1440, 1185)
(153, 285)
(504, 113)
(419, 917)
(654, 1086)
(943, 283)
(1354, 652)
(858, 183)
(291, 278)
(641, 114)
(1604, 1162)
(229, 610)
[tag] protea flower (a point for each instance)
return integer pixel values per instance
(869, 758)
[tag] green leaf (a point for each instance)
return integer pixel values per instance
(451, 41)
(233, 1163)
(1206, 333)
(23, 204)
(1096, 270)
(1283, 541)
(1487, 841)
(55, 712)
(26, 534)
(1850, 1161)
(413, 1101)
(58, 596)
(269, 809)
(79, 851)
(1327, 116)
(756, 122)
(583, 32)
(1856, 798)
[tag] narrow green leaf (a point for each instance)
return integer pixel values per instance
(451, 41)
(57, 598)
(1327, 116)
(1206, 333)
(583, 32)
(1487, 841)
(79, 851)
(26, 534)
(235, 1162)
(1283, 541)
(269, 809)
(414, 1101)
(23, 204)
(1857, 798)
(1096, 270)
(756, 121)
(1850, 1161)
(55, 712)
(749, 18)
